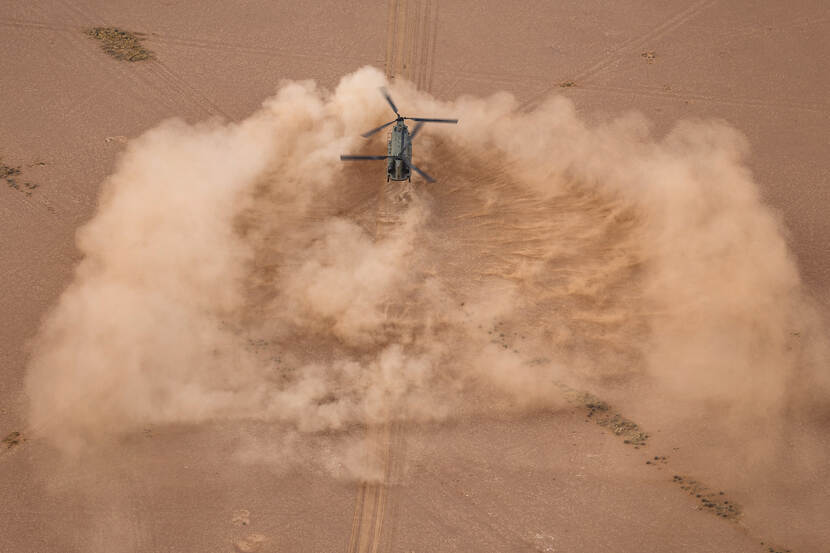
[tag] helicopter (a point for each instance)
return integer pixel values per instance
(398, 158)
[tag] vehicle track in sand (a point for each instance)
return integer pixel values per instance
(373, 504)
(385, 441)
(410, 49)
(197, 42)
(152, 73)
(626, 48)
(411, 35)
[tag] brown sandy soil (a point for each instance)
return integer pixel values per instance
(547, 479)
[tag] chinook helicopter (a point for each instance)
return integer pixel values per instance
(399, 148)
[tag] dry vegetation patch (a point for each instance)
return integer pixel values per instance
(12, 176)
(601, 413)
(715, 502)
(8, 172)
(13, 439)
(120, 44)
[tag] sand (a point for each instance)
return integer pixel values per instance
(548, 479)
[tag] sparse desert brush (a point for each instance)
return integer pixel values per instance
(120, 44)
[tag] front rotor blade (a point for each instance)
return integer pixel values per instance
(389, 99)
(373, 131)
(346, 158)
(432, 120)
(427, 177)
(415, 130)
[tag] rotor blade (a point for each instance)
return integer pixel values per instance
(389, 99)
(373, 131)
(415, 130)
(432, 120)
(427, 177)
(347, 158)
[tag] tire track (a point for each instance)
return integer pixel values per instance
(397, 459)
(635, 44)
(461, 514)
(122, 77)
(370, 504)
(169, 81)
(504, 77)
(627, 47)
(423, 48)
(195, 42)
(655, 92)
(23, 24)
(395, 36)
(755, 30)
(387, 439)
(823, 109)
(429, 49)
(411, 38)
(223, 46)
(185, 91)
(71, 36)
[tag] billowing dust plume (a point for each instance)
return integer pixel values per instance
(242, 271)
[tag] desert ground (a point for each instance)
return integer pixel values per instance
(602, 328)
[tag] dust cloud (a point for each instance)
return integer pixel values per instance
(241, 271)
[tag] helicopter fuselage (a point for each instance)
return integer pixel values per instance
(399, 145)
(398, 156)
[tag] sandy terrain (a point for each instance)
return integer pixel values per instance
(250, 346)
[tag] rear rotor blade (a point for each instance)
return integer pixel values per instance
(415, 130)
(389, 99)
(427, 177)
(348, 158)
(373, 131)
(432, 120)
